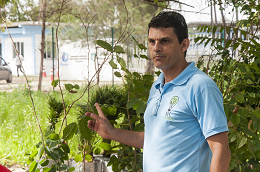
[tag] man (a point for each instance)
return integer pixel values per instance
(19, 61)
(185, 123)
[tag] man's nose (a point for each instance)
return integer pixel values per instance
(157, 46)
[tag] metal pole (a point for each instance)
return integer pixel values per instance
(52, 54)
(112, 30)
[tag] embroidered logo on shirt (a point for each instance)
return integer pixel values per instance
(173, 102)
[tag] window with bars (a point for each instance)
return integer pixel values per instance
(19, 46)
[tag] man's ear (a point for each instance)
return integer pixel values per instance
(185, 45)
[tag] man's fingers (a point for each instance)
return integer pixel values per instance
(92, 115)
(100, 112)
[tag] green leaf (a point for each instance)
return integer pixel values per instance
(105, 146)
(122, 63)
(252, 94)
(58, 152)
(78, 158)
(132, 102)
(72, 169)
(142, 47)
(44, 162)
(235, 119)
(41, 152)
(64, 167)
(112, 64)
(104, 45)
(54, 83)
(54, 136)
(68, 87)
(141, 108)
(112, 160)
(118, 49)
(249, 82)
(76, 86)
(88, 158)
(97, 150)
(83, 129)
(144, 57)
(228, 43)
(139, 127)
(65, 148)
(155, 1)
(34, 154)
(240, 98)
(117, 74)
(242, 142)
(33, 166)
(69, 131)
(109, 110)
(46, 169)
(49, 133)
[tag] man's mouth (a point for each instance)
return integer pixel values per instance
(158, 57)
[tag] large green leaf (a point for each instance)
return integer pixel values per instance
(240, 98)
(58, 152)
(132, 102)
(118, 49)
(54, 136)
(72, 169)
(69, 131)
(104, 45)
(65, 148)
(88, 157)
(78, 158)
(33, 166)
(109, 110)
(46, 169)
(235, 119)
(145, 57)
(242, 142)
(141, 108)
(68, 87)
(112, 64)
(112, 160)
(122, 63)
(84, 130)
(44, 162)
(105, 146)
(117, 74)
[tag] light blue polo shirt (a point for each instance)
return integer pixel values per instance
(180, 115)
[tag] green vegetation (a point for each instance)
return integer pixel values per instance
(19, 132)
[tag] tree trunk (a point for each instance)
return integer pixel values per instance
(215, 12)
(43, 19)
(223, 20)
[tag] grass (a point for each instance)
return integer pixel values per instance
(19, 131)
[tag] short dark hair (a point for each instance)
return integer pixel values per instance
(168, 19)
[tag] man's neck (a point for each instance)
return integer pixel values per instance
(169, 75)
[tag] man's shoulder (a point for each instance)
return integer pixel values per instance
(202, 80)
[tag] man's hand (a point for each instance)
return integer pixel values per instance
(101, 125)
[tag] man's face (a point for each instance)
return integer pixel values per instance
(165, 50)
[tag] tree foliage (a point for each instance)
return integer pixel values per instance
(234, 65)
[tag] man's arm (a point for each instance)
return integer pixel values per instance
(102, 126)
(221, 154)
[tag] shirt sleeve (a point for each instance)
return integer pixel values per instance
(210, 111)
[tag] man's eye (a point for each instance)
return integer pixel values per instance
(151, 41)
(164, 41)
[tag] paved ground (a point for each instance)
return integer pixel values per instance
(46, 83)
(33, 82)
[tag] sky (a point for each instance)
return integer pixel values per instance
(203, 9)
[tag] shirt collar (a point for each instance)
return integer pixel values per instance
(182, 78)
